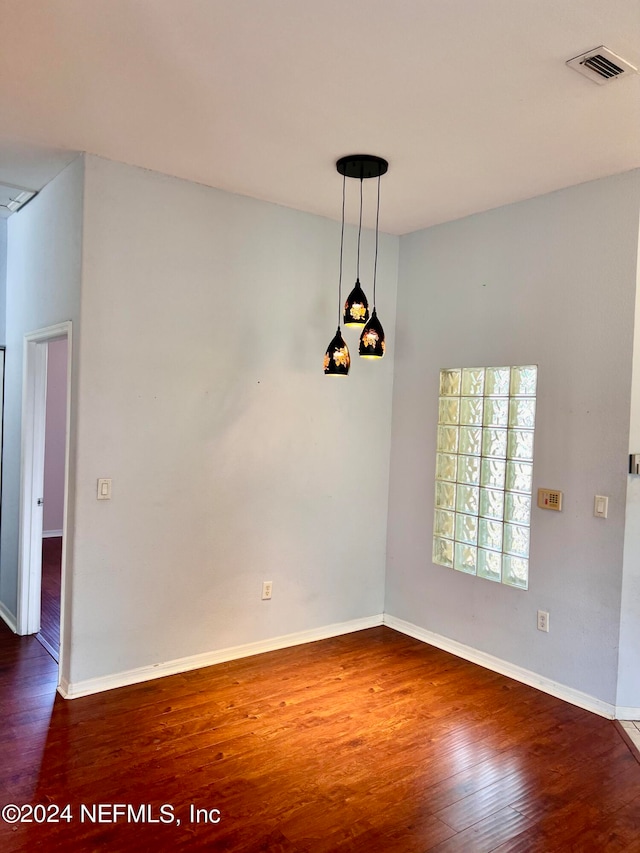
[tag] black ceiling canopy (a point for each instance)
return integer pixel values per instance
(362, 166)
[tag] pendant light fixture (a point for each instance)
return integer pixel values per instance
(372, 344)
(337, 359)
(356, 309)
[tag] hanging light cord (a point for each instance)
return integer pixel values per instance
(359, 233)
(344, 182)
(375, 257)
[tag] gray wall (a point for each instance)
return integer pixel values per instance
(550, 281)
(205, 317)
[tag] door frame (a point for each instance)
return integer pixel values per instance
(34, 398)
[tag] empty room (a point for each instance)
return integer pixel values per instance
(320, 349)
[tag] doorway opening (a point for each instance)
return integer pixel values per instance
(53, 492)
(44, 485)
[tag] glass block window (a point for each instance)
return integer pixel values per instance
(484, 471)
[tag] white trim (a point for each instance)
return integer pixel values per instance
(8, 617)
(55, 653)
(72, 690)
(32, 445)
(64, 568)
(518, 673)
(623, 712)
(34, 396)
(49, 333)
(51, 534)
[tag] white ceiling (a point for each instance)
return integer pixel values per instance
(469, 100)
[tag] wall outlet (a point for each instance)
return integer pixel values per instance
(267, 587)
(543, 620)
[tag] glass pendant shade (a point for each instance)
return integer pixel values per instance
(337, 359)
(356, 308)
(372, 338)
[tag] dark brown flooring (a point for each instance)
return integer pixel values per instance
(50, 599)
(367, 742)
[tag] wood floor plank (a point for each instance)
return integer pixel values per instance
(367, 742)
(487, 834)
(50, 593)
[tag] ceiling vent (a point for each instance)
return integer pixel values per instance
(601, 65)
(12, 198)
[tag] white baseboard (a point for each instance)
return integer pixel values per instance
(623, 712)
(8, 617)
(49, 534)
(72, 690)
(518, 673)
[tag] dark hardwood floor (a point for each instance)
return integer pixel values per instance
(50, 601)
(367, 742)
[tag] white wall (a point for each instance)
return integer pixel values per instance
(43, 288)
(56, 422)
(205, 317)
(550, 281)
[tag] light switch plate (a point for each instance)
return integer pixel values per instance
(104, 489)
(601, 506)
